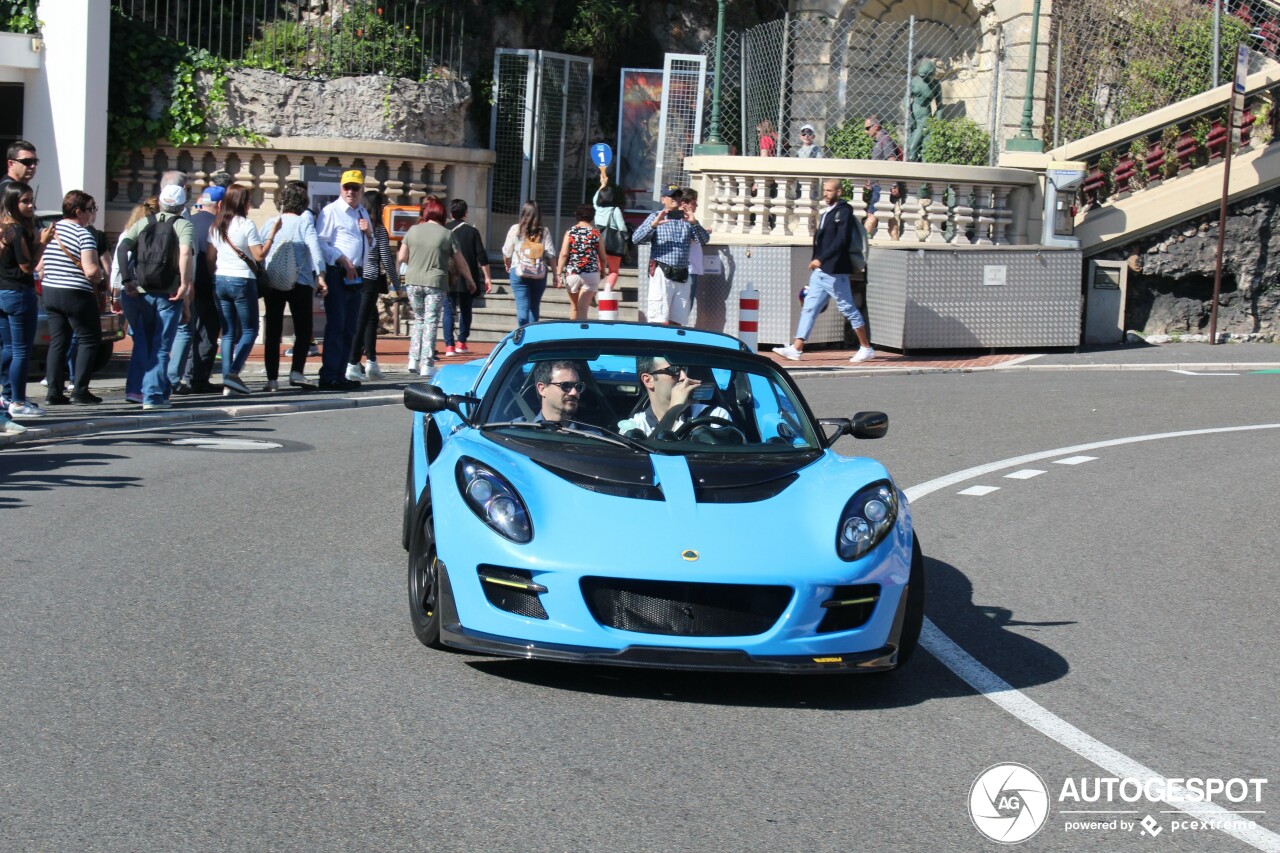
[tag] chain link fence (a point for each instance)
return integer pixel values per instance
(1114, 60)
(398, 38)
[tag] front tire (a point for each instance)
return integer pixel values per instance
(424, 584)
(913, 619)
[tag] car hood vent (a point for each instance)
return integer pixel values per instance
(612, 473)
(742, 481)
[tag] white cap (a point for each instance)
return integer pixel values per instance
(173, 196)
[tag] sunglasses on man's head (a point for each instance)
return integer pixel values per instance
(671, 370)
(566, 387)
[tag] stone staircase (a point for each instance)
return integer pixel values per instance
(494, 314)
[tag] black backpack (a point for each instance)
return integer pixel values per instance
(155, 255)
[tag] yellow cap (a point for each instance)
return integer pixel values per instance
(352, 176)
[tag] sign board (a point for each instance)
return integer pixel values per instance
(1242, 69)
(711, 265)
(398, 219)
(324, 184)
(601, 155)
(995, 276)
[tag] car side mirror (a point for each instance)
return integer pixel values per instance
(869, 425)
(430, 399)
(843, 426)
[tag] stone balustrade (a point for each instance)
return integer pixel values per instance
(776, 201)
(407, 173)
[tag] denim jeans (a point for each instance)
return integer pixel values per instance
(238, 305)
(180, 354)
(19, 313)
(457, 301)
(341, 310)
(427, 304)
(821, 288)
(132, 306)
(161, 319)
(528, 294)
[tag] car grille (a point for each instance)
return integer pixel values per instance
(685, 609)
(512, 590)
(849, 607)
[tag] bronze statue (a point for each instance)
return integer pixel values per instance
(925, 91)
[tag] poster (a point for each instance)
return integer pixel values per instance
(637, 150)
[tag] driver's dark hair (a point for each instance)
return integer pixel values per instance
(646, 363)
(542, 370)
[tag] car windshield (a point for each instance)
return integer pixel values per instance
(637, 398)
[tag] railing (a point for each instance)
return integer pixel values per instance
(406, 173)
(768, 200)
(1172, 142)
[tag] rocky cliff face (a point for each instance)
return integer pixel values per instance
(1171, 274)
(383, 108)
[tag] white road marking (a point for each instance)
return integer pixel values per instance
(1194, 373)
(1037, 716)
(979, 491)
(1074, 460)
(1024, 474)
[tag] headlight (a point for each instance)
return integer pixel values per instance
(867, 519)
(494, 500)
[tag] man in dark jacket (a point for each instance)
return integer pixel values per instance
(458, 299)
(838, 229)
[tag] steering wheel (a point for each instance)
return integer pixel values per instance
(726, 432)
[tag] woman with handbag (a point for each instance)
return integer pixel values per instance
(379, 269)
(581, 259)
(72, 276)
(613, 229)
(527, 255)
(295, 272)
(235, 252)
(20, 245)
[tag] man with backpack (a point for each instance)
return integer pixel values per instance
(161, 246)
(839, 245)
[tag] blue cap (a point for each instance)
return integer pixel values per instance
(212, 195)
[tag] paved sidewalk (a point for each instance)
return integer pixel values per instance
(116, 414)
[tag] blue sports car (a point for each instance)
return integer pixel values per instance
(636, 495)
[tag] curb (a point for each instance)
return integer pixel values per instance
(193, 416)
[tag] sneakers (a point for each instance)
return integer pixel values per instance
(182, 389)
(355, 373)
(26, 409)
(299, 380)
(789, 352)
(461, 349)
(426, 369)
(5, 402)
(158, 404)
(373, 371)
(57, 400)
(863, 354)
(11, 427)
(272, 385)
(411, 366)
(231, 382)
(85, 399)
(448, 351)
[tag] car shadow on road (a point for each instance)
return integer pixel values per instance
(38, 472)
(988, 632)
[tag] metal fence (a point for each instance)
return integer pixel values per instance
(321, 38)
(833, 73)
(538, 129)
(1113, 60)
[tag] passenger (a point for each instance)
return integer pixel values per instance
(560, 389)
(669, 388)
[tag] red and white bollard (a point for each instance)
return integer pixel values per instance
(607, 304)
(748, 317)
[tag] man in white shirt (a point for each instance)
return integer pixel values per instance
(345, 237)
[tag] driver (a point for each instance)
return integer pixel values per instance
(669, 388)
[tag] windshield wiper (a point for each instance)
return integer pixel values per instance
(556, 426)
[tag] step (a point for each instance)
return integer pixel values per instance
(494, 315)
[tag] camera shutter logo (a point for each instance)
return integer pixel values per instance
(1008, 803)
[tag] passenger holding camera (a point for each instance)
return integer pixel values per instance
(671, 231)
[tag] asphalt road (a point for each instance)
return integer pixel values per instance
(209, 648)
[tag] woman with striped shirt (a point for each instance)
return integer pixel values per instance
(72, 277)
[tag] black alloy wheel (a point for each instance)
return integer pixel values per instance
(424, 585)
(913, 620)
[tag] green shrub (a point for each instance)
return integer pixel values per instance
(284, 47)
(849, 141)
(19, 16)
(956, 142)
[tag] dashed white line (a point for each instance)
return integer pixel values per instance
(1074, 460)
(979, 490)
(1194, 373)
(1037, 716)
(1024, 474)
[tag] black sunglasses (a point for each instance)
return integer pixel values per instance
(566, 387)
(671, 370)
(28, 161)
(806, 133)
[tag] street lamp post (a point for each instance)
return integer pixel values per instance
(1026, 140)
(714, 144)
